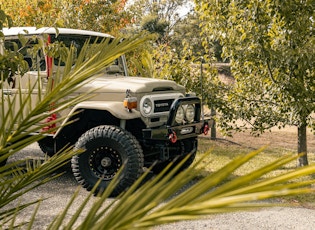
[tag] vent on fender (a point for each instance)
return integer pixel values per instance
(162, 89)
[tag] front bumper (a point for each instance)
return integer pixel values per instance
(172, 131)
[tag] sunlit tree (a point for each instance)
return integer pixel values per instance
(100, 15)
(158, 16)
(270, 45)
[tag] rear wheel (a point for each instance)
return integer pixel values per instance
(47, 146)
(107, 148)
(51, 146)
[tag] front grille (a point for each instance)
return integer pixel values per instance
(162, 105)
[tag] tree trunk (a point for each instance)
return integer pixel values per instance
(302, 145)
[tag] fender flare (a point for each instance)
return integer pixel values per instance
(115, 108)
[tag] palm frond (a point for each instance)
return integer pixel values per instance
(170, 198)
(19, 123)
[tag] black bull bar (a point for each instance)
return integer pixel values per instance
(172, 131)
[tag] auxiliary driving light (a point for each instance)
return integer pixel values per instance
(180, 115)
(190, 113)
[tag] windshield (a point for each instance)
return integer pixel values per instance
(37, 61)
(78, 42)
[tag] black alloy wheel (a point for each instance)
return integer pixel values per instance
(106, 150)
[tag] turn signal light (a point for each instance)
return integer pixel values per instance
(130, 103)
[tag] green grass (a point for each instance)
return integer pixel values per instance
(222, 152)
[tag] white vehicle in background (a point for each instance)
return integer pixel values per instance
(130, 120)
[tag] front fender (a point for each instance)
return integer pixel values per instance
(117, 109)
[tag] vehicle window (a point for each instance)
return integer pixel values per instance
(78, 41)
(72, 39)
(35, 61)
(116, 67)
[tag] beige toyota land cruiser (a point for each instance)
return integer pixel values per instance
(130, 120)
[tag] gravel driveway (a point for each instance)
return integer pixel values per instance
(60, 191)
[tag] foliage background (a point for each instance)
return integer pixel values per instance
(177, 59)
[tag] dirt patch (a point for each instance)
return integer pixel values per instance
(278, 138)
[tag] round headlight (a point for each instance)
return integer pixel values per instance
(180, 115)
(147, 106)
(190, 113)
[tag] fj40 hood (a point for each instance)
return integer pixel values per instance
(136, 85)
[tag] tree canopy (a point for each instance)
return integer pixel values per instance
(99, 15)
(270, 45)
(160, 17)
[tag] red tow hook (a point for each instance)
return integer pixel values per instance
(205, 129)
(172, 136)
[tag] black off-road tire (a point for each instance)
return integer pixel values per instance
(107, 148)
(47, 146)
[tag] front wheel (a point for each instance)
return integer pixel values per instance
(106, 149)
